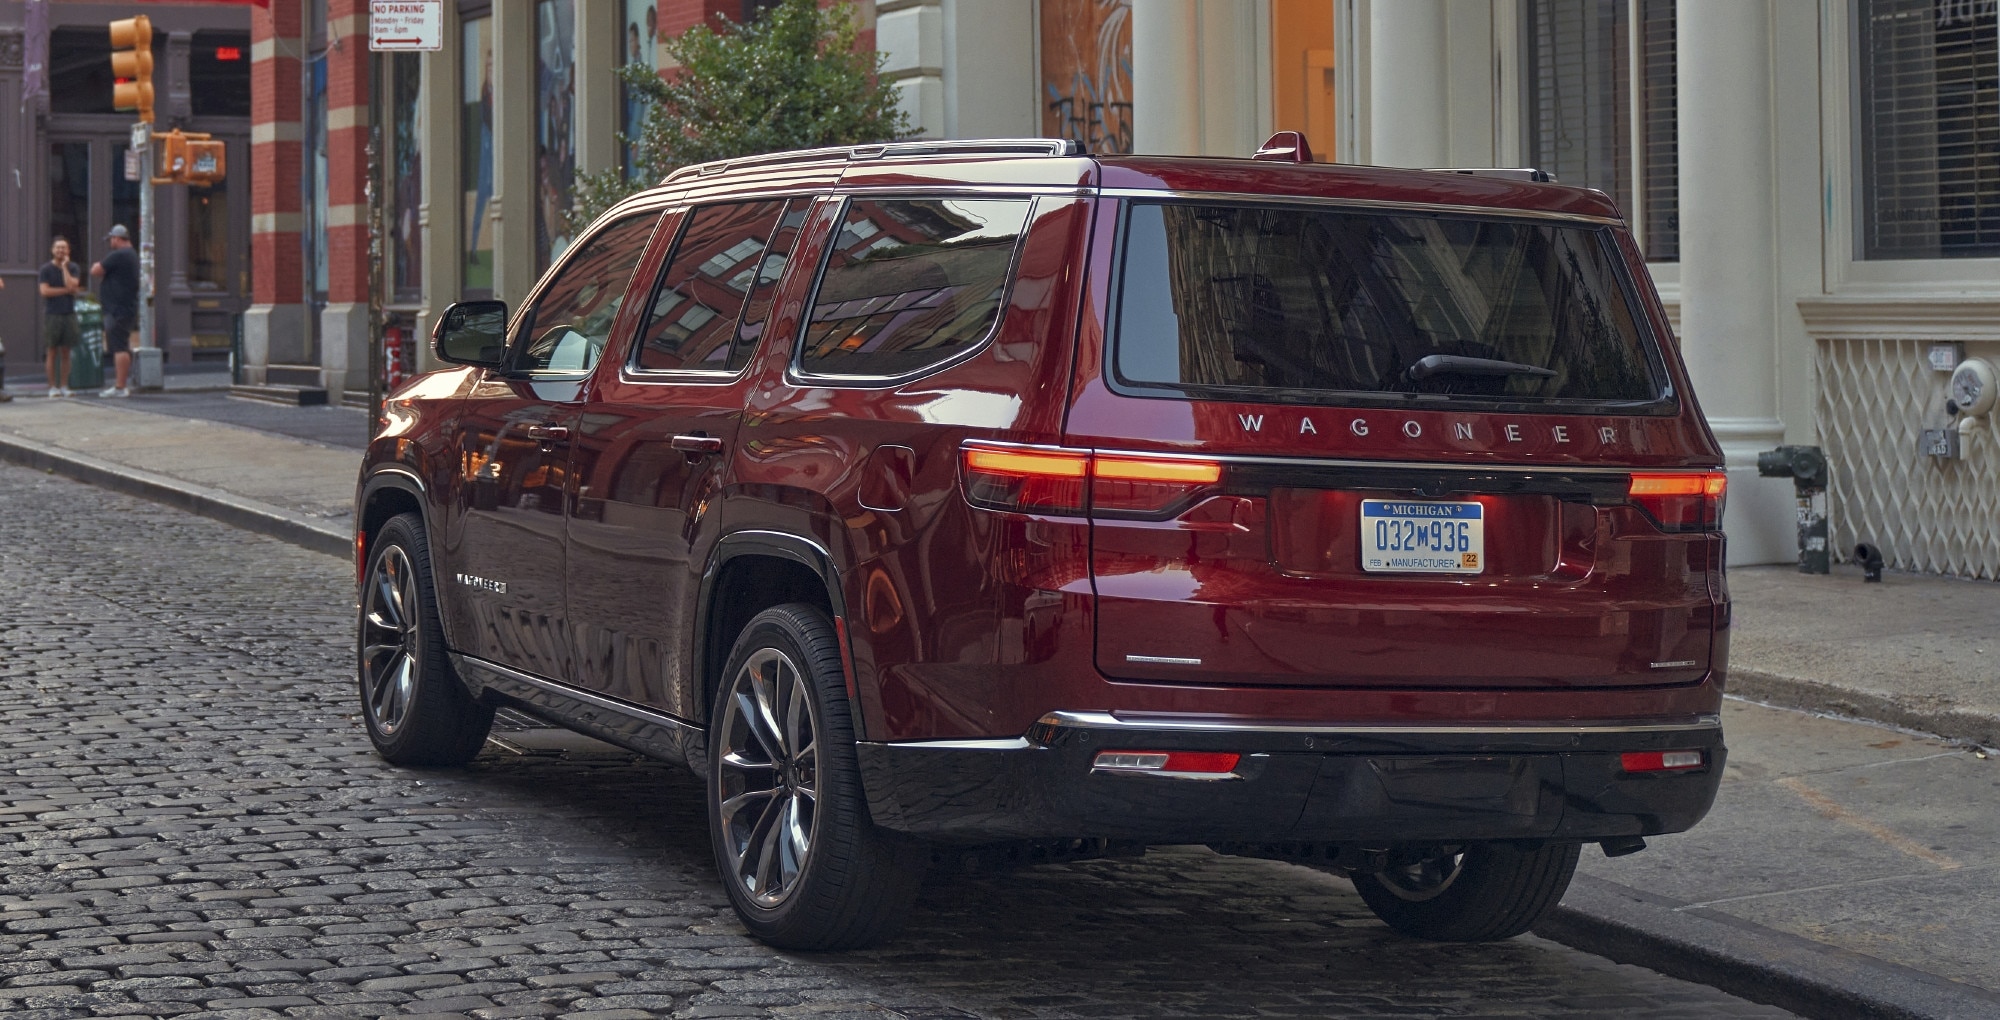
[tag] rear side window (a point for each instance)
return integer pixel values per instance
(724, 258)
(565, 330)
(1327, 305)
(911, 283)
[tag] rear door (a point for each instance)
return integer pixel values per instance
(1425, 432)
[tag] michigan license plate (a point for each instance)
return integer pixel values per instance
(1403, 536)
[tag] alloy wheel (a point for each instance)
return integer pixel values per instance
(768, 758)
(1424, 880)
(389, 635)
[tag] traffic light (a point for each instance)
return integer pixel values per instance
(205, 162)
(132, 66)
(189, 157)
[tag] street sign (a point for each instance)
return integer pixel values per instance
(133, 164)
(405, 25)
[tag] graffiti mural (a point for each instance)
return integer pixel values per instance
(1087, 72)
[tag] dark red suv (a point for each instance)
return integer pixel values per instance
(990, 494)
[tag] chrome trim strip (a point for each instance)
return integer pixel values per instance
(645, 715)
(391, 469)
(993, 744)
(1107, 721)
(1340, 462)
(1361, 203)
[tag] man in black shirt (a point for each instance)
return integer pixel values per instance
(60, 279)
(120, 294)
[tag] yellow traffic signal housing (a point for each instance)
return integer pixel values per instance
(132, 66)
(206, 162)
(170, 157)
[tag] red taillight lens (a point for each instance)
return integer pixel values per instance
(1076, 481)
(1027, 481)
(1681, 501)
(1661, 761)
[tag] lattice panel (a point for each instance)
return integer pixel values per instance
(1936, 516)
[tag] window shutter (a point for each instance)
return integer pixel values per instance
(1930, 129)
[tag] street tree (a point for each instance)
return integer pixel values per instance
(791, 79)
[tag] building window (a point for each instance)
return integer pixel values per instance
(218, 74)
(1930, 128)
(406, 196)
(1601, 107)
(475, 158)
(318, 199)
(69, 197)
(208, 233)
(1087, 72)
(555, 125)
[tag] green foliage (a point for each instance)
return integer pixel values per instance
(792, 79)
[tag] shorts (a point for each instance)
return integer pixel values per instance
(60, 331)
(117, 335)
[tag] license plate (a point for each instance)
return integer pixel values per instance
(1403, 536)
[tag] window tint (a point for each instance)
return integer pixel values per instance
(910, 283)
(568, 326)
(1303, 304)
(718, 263)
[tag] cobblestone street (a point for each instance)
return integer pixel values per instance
(193, 823)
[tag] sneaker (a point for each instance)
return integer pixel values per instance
(54, 392)
(67, 393)
(121, 392)
(108, 391)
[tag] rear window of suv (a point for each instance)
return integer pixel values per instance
(1324, 304)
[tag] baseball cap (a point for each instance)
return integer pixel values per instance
(119, 231)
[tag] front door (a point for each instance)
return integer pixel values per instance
(504, 584)
(652, 449)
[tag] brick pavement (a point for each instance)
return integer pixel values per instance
(192, 824)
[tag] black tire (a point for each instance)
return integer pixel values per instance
(423, 716)
(852, 885)
(1491, 891)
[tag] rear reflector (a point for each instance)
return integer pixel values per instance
(1660, 761)
(1681, 501)
(1075, 481)
(1173, 764)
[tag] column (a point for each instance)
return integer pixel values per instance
(1166, 77)
(173, 309)
(274, 327)
(345, 326)
(442, 210)
(910, 37)
(597, 106)
(1409, 110)
(989, 80)
(512, 211)
(1728, 207)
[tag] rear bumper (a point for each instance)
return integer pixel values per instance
(1374, 785)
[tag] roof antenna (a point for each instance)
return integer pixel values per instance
(1286, 147)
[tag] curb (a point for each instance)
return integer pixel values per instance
(1751, 961)
(250, 515)
(1974, 725)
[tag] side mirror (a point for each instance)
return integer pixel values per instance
(472, 333)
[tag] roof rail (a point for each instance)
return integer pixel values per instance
(887, 150)
(1501, 172)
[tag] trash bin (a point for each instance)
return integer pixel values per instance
(86, 363)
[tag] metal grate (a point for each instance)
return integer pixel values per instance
(1930, 128)
(1942, 517)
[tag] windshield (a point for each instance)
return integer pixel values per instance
(1324, 304)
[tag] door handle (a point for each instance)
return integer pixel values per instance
(696, 443)
(546, 433)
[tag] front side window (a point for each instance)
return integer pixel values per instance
(568, 326)
(719, 265)
(1331, 306)
(1930, 129)
(911, 283)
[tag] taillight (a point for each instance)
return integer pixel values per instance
(1661, 761)
(1077, 481)
(1170, 764)
(1681, 501)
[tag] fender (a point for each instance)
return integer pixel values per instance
(401, 477)
(780, 545)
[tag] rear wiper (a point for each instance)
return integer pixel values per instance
(1453, 364)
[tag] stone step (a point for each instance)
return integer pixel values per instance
(298, 396)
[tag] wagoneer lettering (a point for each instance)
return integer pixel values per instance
(922, 495)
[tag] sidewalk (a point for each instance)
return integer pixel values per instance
(1847, 869)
